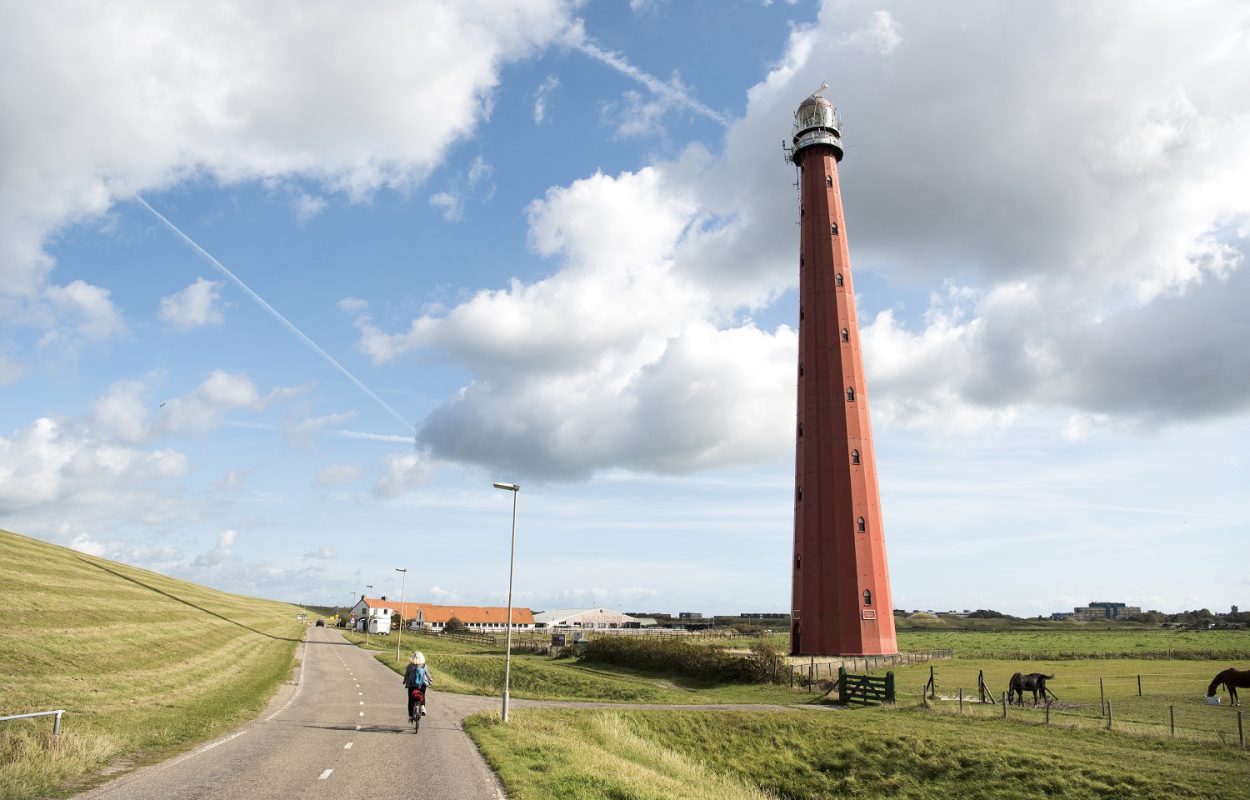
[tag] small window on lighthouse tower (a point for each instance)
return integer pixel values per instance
(850, 395)
(833, 229)
(798, 494)
(867, 597)
(846, 335)
(860, 525)
(836, 278)
(854, 456)
(800, 369)
(800, 430)
(828, 180)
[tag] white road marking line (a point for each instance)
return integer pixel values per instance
(325, 775)
(362, 713)
(348, 746)
(357, 727)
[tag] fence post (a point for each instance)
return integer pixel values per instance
(810, 668)
(1108, 716)
(1172, 719)
(1004, 705)
(1139, 685)
(843, 694)
(889, 687)
(1047, 712)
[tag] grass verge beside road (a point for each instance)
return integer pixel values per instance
(466, 668)
(144, 665)
(877, 752)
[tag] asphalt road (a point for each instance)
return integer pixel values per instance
(342, 732)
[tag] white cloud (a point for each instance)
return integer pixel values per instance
(81, 311)
(880, 35)
(126, 412)
(449, 204)
(237, 91)
(542, 98)
(308, 206)
(193, 307)
(401, 475)
(337, 474)
(202, 409)
(1081, 197)
(323, 553)
(50, 465)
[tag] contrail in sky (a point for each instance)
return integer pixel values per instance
(277, 315)
(587, 46)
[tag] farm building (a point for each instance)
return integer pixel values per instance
(435, 617)
(479, 619)
(585, 618)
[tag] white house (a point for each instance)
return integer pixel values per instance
(585, 619)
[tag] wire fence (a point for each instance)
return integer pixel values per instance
(1145, 704)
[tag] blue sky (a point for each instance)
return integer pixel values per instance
(555, 244)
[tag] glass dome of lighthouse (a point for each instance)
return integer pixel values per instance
(817, 122)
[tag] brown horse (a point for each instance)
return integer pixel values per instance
(1033, 682)
(1233, 679)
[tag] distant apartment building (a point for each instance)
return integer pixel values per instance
(1098, 611)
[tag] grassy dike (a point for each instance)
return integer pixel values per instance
(870, 753)
(144, 665)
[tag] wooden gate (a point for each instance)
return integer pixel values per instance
(864, 688)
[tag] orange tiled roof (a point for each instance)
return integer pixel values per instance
(494, 615)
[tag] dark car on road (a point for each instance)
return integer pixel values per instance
(321, 623)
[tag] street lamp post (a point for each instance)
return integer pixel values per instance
(367, 587)
(507, 659)
(400, 640)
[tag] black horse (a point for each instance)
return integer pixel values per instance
(1033, 682)
(1233, 679)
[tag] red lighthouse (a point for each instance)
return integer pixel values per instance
(841, 592)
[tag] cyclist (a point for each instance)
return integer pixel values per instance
(416, 676)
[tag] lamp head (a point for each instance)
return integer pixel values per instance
(511, 487)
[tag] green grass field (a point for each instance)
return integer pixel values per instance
(144, 665)
(1173, 693)
(913, 751)
(871, 753)
(466, 668)
(1058, 642)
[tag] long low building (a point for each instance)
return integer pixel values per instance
(435, 617)
(585, 618)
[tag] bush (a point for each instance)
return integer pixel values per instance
(454, 625)
(675, 657)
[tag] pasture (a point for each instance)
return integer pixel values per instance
(916, 749)
(144, 665)
(1173, 693)
(900, 752)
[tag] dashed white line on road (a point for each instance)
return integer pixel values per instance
(362, 713)
(357, 727)
(325, 775)
(348, 746)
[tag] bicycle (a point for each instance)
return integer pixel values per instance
(418, 700)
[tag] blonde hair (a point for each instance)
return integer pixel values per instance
(418, 658)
